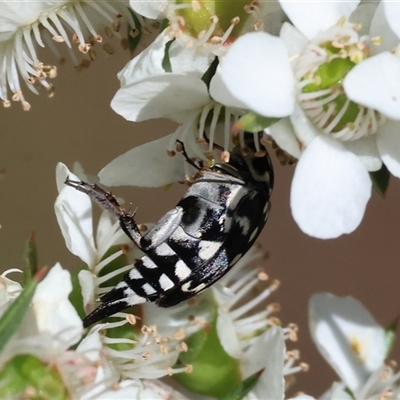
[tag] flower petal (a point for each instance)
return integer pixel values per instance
(330, 189)
(347, 336)
(294, 40)
(380, 28)
(146, 64)
(283, 134)
(227, 334)
(9, 289)
(17, 14)
(160, 96)
(74, 216)
(312, 18)
(109, 233)
(367, 151)
(267, 354)
(305, 130)
(257, 73)
(147, 165)
(378, 91)
(392, 14)
(388, 141)
(153, 9)
(54, 312)
(87, 284)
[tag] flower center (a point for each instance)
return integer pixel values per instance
(212, 22)
(320, 71)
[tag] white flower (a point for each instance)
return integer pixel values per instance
(232, 312)
(53, 311)
(251, 336)
(381, 91)
(147, 91)
(74, 215)
(25, 24)
(331, 185)
(354, 344)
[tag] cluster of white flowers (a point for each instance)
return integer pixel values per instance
(310, 84)
(301, 73)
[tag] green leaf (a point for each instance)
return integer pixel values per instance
(208, 75)
(27, 371)
(75, 297)
(252, 122)
(30, 259)
(390, 335)
(164, 24)
(214, 371)
(380, 180)
(134, 34)
(12, 318)
(350, 393)
(166, 62)
(243, 388)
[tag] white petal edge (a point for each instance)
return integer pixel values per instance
(367, 151)
(348, 337)
(87, 284)
(314, 17)
(160, 96)
(147, 165)
(380, 28)
(268, 352)
(294, 40)
(153, 9)
(146, 64)
(330, 189)
(380, 91)
(54, 312)
(73, 211)
(256, 72)
(283, 134)
(392, 14)
(388, 141)
(305, 130)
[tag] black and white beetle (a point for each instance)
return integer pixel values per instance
(197, 242)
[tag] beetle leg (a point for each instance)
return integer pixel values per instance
(163, 229)
(110, 203)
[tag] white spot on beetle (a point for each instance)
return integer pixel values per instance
(182, 271)
(244, 223)
(164, 250)
(149, 263)
(266, 207)
(199, 287)
(207, 249)
(131, 298)
(165, 282)
(253, 234)
(186, 286)
(135, 274)
(121, 285)
(148, 289)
